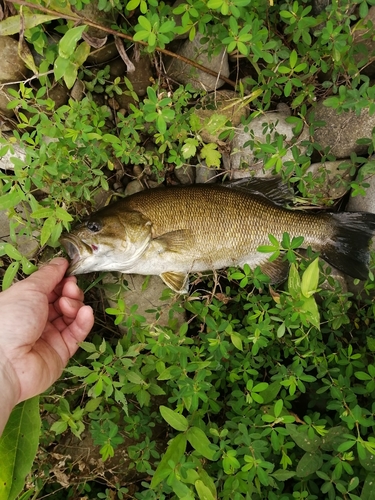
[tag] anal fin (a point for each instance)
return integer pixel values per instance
(277, 270)
(178, 282)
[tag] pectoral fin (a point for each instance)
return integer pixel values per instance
(178, 282)
(175, 241)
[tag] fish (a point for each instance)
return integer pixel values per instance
(177, 230)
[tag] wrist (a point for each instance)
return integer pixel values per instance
(9, 392)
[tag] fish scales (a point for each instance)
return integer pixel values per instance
(217, 218)
(177, 230)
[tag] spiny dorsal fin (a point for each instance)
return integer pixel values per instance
(178, 282)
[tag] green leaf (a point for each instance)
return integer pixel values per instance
(10, 200)
(48, 226)
(309, 463)
(302, 439)
(210, 153)
(145, 23)
(134, 378)
(293, 59)
(271, 392)
(174, 419)
(79, 371)
(204, 493)
(174, 452)
(294, 281)
(310, 279)
(43, 213)
(87, 346)
(69, 41)
(81, 54)
(12, 252)
(236, 341)
(132, 5)
(18, 446)
(199, 441)
(12, 24)
(60, 67)
(10, 274)
(283, 475)
(59, 427)
(368, 490)
(362, 376)
(310, 306)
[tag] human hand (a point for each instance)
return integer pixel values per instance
(42, 320)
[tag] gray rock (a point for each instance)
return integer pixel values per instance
(103, 54)
(16, 152)
(332, 179)
(12, 66)
(204, 174)
(185, 73)
(243, 163)
(341, 131)
(140, 78)
(364, 203)
(364, 43)
(92, 12)
(319, 6)
(147, 298)
(225, 103)
(5, 98)
(133, 187)
(185, 174)
(27, 246)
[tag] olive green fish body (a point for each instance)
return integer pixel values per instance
(177, 230)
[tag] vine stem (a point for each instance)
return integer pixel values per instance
(83, 20)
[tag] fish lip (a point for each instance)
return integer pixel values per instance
(75, 248)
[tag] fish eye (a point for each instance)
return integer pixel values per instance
(93, 226)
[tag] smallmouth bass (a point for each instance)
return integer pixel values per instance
(174, 231)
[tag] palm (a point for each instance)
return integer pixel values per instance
(43, 319)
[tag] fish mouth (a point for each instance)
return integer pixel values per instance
(76, 249)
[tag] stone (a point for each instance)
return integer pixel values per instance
(204, 174)
(341, 131)
(103, 54)
(225, 103)
(186, 73)
(364, 43)
(26, 245)
(133, 187)
(333, 177)
(12, 66)
(146, 297)
(16, 151)
(5, 98)
(364, 203)
(92, 12)
(242, 159)
(185, 174)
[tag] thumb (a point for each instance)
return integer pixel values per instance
(48, 276)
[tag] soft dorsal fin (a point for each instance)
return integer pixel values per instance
(272, 189)
(178, 282)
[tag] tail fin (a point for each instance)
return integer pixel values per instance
(349, 248)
